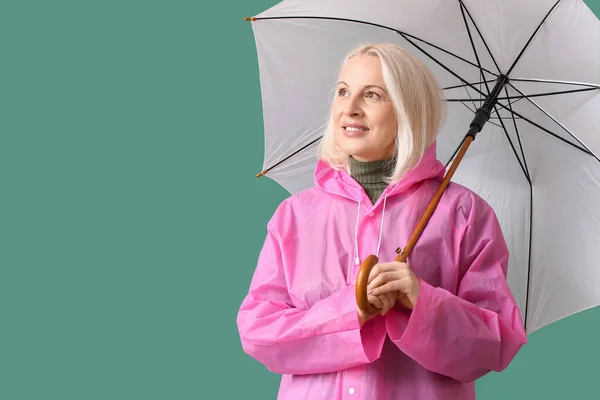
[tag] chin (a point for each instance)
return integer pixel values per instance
(352, 145)
(348, 147)
(356, 152)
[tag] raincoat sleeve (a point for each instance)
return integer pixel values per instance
(326, 337)
(465, 335)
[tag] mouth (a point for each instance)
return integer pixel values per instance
(354, 129)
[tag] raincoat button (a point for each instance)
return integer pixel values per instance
(371, 214)
(351, 391)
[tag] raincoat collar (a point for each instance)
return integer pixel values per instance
(338, 182)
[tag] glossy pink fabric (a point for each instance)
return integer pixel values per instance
(299, 317)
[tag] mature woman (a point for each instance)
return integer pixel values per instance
(446, 318)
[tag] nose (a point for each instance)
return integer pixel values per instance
(353, 107)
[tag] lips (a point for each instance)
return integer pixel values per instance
(354, 129)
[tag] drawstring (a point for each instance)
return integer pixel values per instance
(381, 226)
(357, 259)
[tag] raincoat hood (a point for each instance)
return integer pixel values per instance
(340, 183)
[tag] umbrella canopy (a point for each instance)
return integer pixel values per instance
(535, 160)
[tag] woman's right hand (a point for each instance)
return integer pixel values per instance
(382, 302)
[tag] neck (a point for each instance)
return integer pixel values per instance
(371, 175)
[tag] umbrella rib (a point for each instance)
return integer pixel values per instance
(587, 150)
(516, 101)
(480, 35)
(403, 34)
(470, 97)
(456, 151)
(502, 117)
(473, 111)
(496, 117)
(590, 85)
(530, 213)
(291, 155)
(463, 85)
(547, 94)
(524, 96)
(462, 11)
(440, 64)
(463, 102)
(445, 51)
(548, 131)
(493, 123)
(529, 255)
(518, 135)
(533, 36)
(463, 139)
(523, 168)
(471, 100)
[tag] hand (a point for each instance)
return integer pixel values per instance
(394, 277)
(384, 303)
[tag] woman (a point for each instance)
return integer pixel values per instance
(446, 318)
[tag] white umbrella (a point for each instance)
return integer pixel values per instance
(535, 161)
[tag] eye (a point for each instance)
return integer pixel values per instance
(342, 92)
(373, 95)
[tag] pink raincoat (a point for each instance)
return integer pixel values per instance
(300, 318)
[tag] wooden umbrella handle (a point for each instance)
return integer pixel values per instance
(362, 280)
(367, 265)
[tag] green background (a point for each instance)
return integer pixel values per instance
(130, 135)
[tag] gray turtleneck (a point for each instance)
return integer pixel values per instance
(370, 175)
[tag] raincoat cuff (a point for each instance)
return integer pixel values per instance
(417, 316)
(349, 310)
(366, 341)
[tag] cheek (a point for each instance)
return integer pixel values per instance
(390, 115)
(392, 127)
(336, 111)
(337, 116)
(387, 122)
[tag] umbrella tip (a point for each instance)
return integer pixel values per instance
(264, 171)
(250, 18)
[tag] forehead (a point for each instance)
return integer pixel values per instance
(362, 70)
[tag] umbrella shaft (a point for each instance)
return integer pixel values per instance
(483, 113)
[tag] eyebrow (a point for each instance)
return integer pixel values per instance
(368, 86)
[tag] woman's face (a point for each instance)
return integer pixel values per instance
(365, 125)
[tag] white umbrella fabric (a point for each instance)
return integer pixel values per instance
(536, 159)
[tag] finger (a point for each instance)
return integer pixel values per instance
(389, 303)
(403, 285)
(374, 273)
(394, 299)
(378, 269)
(386, 288)
(384, 278)
(375, 302)
(386, 301)
(391, 266)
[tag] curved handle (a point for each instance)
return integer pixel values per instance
(362, 280)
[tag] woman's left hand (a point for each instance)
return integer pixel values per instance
(395, 277)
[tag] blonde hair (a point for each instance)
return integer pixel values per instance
(418, 102)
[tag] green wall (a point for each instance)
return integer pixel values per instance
(131, 218)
